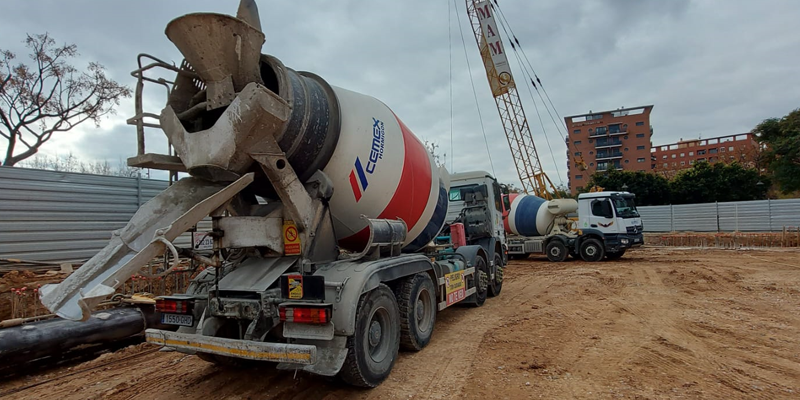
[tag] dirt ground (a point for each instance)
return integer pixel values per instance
(661, 323)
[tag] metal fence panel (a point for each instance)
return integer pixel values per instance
(62, 216)
(656, 218)
(735, 216)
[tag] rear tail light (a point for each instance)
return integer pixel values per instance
(305, 315)
(174, 306)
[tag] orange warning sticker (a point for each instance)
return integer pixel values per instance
(291, 239)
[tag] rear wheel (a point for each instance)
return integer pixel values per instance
(497, 282)
(592, 250)
(615, 255)
(372, 350)
(480, 280)
(556, 251)
(416, 299)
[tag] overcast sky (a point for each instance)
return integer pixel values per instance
(710, 67)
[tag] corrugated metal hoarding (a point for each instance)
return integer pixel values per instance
(735, 216)
(60, 216)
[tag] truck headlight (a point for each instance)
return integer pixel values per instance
(623, 241)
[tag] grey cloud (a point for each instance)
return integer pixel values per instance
(714, 67)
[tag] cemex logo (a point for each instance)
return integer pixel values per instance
(358, 176)
(362, 178)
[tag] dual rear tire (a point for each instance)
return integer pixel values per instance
(386, 321)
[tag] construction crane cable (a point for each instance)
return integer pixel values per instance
(474, 91)
(450, 43)
(525, 56)
(530, 74)
(526, 76)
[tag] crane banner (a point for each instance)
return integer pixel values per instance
(492, 50)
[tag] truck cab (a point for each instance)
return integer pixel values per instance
(611, 216)
(475, 200)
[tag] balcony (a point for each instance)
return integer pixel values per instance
(604, 143)
(608, 155)
(611, 130)
(605, 166)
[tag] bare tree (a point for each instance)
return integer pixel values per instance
(433, 148)
(48, 95)
(71, 163)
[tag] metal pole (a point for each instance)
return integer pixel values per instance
(138, 188)
(769, 213)
(717, 205)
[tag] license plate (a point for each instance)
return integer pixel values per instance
(177, 319)
(635, 240)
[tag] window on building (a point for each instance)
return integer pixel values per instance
(721, 149)
(701, 152)
(614, 128)
(577, 142)
(591, 164)
(673, 156)
(683, 154)
(578, 154)
(578, 176)
(683, 163)
(626, 161)
(691, 162)
(674, 164)
(591, 153)
(591, 140)
(640, 135)
(576, 131)
(626, 149)
(730, 148)
(601, 130)
(640, 123)
(666, 165)
(639, 147)
(712, 151)
(625, 137)
(664, 157)
(640, 160)
(701, 159)
(691, 153)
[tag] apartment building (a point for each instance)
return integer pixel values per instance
(670, 158)
(601, 140)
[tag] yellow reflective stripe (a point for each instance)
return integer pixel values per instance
(238, 352)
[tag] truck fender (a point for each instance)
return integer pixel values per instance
(471, 253)
(590, 232)
(347, 280)
(489, 245)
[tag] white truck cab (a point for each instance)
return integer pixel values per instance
(611, 216)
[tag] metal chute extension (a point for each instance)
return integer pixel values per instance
(161, 219)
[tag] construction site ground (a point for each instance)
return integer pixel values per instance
(661, 323)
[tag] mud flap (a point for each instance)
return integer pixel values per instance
(147, 235)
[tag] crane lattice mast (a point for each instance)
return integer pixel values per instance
(498, 71)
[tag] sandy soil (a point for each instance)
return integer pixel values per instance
(661, 323)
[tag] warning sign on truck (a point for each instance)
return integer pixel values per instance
(291, 239)
(455, 287)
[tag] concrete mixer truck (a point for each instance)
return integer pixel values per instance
(324, 208)
(607, 222)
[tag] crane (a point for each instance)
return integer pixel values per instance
(501, 81)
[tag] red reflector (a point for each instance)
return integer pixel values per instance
(173, 306)
(305, 315)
